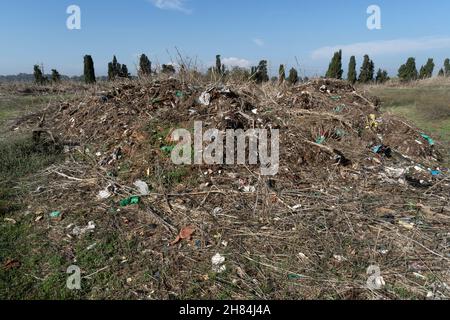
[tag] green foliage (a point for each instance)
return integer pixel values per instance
(38, 75)
(114, 69)
(21, 156)
(281, 73)
(124, 72)
(382, 76)
(293, 76)
(220, 68)
(351, 76)
(367, 71)
(441, 73)
(89, 71)
(447, 67)
(335, 68)
(426, 71)
(408, 71)
(145, 66)
(56, 77)
(260, 73)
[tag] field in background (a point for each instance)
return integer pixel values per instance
(426, 103)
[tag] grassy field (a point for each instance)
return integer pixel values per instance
(425, 103)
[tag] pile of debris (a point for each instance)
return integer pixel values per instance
(321, 123)
(351, 179)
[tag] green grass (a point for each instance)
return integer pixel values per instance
(427, 105)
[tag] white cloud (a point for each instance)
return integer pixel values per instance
(258, 42)
(236, 62)
(178, 5)
(397, 46)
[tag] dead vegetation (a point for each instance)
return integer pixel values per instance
(356, 188)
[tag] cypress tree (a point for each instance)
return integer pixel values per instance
(426, 71)
(367, 71)
(124, 71)
(115, 70)
(335, 68)
(38, 75)
(262, 74)
(56, 77)
(89, 71)
(351, 76)
(145, 66)
(293, 76)
(441, 73)
(281, 74)
(408, 71)
(382, 76)
(218, 65)
(447, 67)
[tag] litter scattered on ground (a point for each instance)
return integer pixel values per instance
(56, 215)
(142, 187)
(350, 177)
(130, 201)
(10, 220)
(185, 234)
(77, 231)
(218, 263)
(205, 98)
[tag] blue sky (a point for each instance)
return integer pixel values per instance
(242, 31)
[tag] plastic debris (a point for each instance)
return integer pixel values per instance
(249, 189)
(321, 140)
(179, 94)
(104, 194)
(218, 263)
(293, 276)
(435, 172)
(55, 215)
(10, 220)
(205, 98)
(167, 149)
(77, 231)
(142, 187)
(130, 201)
(185, 234)
(406, 224)
(382, 150)
(430, 141)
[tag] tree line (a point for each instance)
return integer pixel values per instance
(259, 73)
(406, 72)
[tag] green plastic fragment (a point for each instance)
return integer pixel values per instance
(292, 276)
(321, 140)
(167, 149)
(130, 201)
(336, 97)
(428, 138)
(55, 214)
(179, 94)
